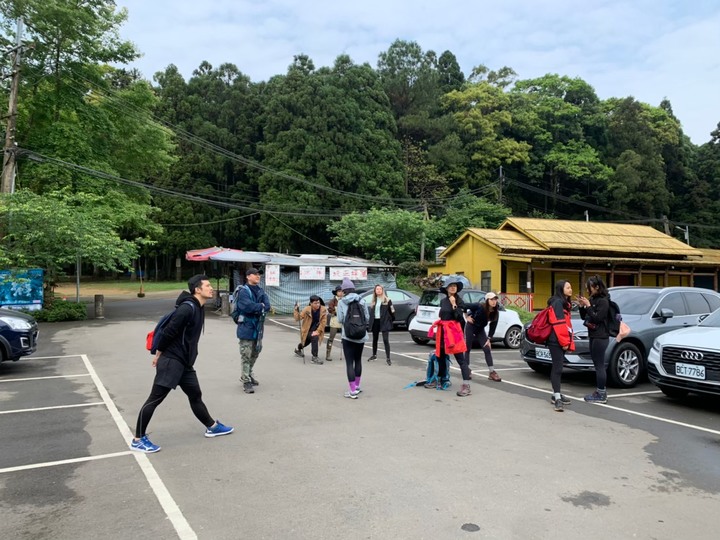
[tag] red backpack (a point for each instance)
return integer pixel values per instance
(539, 329)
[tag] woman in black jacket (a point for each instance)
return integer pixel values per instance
(595, 312)
(478, 317)
(382, 315)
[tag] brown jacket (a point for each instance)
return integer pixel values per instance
(305, 316)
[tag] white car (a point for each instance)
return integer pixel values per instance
(508, 331)
(687, 360)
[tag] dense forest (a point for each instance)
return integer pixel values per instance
(386, 161)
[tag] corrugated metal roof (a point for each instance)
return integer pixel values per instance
(710, 255)
(697, 262)
(556, 234)
(505, 240)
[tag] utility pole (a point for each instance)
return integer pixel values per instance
(501, 181)
(7, 182)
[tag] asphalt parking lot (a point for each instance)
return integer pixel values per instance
(306, 463)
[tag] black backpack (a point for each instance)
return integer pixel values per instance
(354, 324)
(614, 318)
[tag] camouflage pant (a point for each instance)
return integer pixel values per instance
(248, 355)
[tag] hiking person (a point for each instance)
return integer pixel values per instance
(561, 338)
(251, 304)
(313, 319)
(595, 311)
(352, 305)
(450, 338)
(382, 315)
(478, 316)
(174, 362)
(335, 326)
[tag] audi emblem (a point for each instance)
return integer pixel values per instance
(691, 355)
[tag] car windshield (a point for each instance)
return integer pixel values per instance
(712, 320)
(430, 298)
(634, 301)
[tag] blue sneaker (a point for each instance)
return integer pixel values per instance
(218, 429)
(144, 445)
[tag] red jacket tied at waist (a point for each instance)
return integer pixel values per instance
(451, 334)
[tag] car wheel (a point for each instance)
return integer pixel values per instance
(625, 365)
(512, 337)
(539, 367)
(671, 392)
(420, 341)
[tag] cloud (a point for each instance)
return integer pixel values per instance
(647, 49)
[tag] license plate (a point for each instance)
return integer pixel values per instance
(690, 370)
(543, 354)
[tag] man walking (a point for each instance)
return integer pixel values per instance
(251, 304)
(177, 350)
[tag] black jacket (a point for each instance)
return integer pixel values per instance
(480, 318)
(386, 316)
(447, 313)
(180, 337)
(596, 317)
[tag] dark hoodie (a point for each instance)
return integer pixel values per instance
(180, 337)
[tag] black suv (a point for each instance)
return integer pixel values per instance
(18, 335)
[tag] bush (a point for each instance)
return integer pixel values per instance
(55, 310)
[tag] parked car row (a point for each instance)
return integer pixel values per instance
(673, 360)
(508, 329)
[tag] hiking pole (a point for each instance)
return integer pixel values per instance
(297, 308)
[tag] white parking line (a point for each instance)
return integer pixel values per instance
(55, 357)
(630, 394)
(91, 404)
(581, 400)
(172, 511)
(45, 378)
(62, 462)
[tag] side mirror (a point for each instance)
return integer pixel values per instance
(665, 314)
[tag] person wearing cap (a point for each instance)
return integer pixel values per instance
(478, 316)
(313, 319)
(334, 324)
(452, 310)
(352, 348)
(252, 304)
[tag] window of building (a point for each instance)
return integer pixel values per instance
(486, 280)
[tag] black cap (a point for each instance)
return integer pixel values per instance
(250, 271)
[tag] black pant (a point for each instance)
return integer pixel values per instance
(191, 386)
(313, 342)
(598, 346)
(558, 357)
(353, 358)
(376, 334)
(471, 331)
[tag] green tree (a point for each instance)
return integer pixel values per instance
(332, 133)
(53, 230)
(392, 236)
(482, 113)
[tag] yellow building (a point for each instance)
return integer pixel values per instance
(524, 257)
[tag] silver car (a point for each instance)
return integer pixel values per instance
(687, 360)
(650, 312)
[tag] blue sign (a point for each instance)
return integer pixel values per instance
(21, 288)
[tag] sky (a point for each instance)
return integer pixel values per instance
(648, 49)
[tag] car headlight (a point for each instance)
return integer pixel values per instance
(656, 346)
(16, 323)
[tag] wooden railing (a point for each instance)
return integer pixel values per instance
(523, 301)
